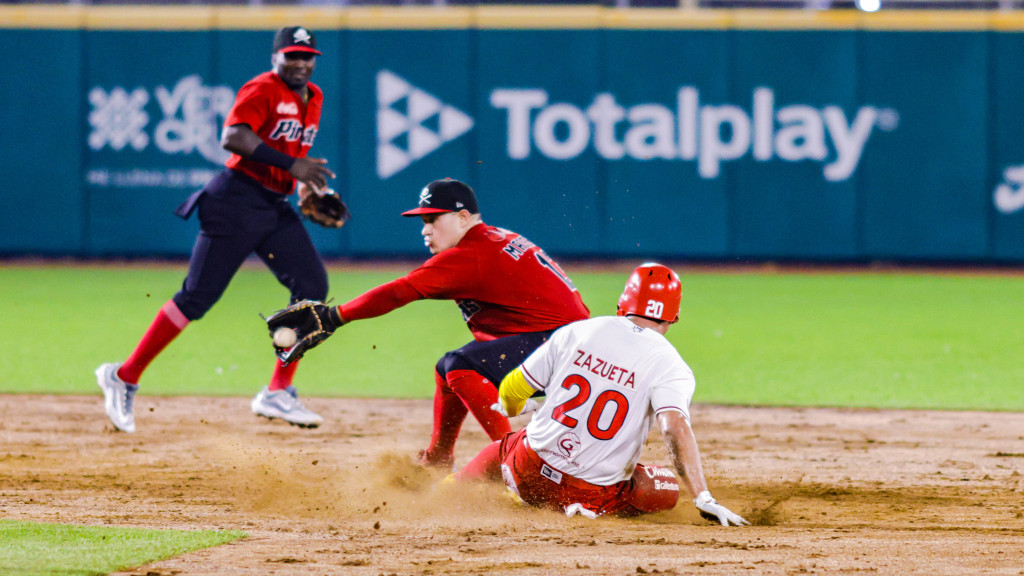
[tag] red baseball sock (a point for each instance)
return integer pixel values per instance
(169, 322)
(486, 465)
(478, 393)
(283, 375)
(449, 414)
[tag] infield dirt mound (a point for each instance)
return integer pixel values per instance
(829, 492)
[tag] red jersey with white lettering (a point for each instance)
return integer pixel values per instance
(503, 283)
(278, 115)
(605, 378)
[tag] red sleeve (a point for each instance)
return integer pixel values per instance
(379, 301)
(250, 107)
(448, 275)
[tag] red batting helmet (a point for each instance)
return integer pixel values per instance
(652, 291)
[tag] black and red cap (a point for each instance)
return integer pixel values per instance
(295, 39)
(445, 196)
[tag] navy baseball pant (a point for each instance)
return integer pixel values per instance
(493, 359)
(238, 217)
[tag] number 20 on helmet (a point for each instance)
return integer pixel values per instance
(652, 291)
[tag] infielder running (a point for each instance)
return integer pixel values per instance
(512, 296)
(606, 380)
(243, 210)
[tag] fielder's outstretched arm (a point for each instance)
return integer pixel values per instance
(314, 322)
(379, 301)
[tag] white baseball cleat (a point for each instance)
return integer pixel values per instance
(284, 404)
(119, 397)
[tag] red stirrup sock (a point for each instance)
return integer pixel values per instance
(283, 375)
(486, 465)
(478, 393)
(449, 414)
(169, 322)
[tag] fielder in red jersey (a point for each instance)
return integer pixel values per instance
(282, 118)
(503, 283)
(512, 296)
(244, 210)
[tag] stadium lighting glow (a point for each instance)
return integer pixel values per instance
(869, 5)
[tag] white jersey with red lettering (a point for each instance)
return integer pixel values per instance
(605, 378)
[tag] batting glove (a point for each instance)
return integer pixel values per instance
(711, 510)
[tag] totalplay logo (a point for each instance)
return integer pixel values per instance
(709, 134)
(411, 123)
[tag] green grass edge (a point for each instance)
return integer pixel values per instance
(30, 548)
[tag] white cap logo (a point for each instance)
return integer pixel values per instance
(425, 196)
(301, 35)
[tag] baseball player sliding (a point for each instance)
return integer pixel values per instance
(512, 296)
(606, 380)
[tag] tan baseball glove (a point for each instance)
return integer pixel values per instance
(324, 208)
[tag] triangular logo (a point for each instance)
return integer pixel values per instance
(424, 121)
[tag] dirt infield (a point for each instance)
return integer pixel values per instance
(833, 492)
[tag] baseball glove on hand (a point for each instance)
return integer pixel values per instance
(313, 323)
(325, 208)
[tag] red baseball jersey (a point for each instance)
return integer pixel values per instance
(503, 283)
(278, 115)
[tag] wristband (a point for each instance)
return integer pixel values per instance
(266, 155)
(335, 315)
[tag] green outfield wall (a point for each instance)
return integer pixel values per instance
(834, 136)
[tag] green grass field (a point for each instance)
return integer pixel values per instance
(31, 549)
(895, 340)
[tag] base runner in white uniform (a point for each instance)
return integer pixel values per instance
(606, 379)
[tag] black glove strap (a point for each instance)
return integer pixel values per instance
(334, 316)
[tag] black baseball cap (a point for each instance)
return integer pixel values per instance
(445, 196)
(295, 39)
